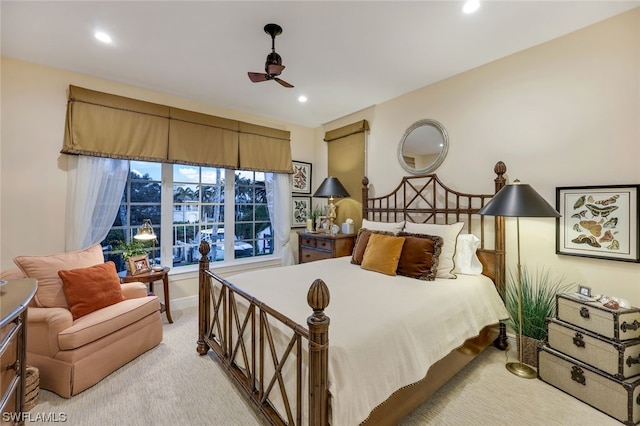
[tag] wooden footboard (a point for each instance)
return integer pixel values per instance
(240, 330)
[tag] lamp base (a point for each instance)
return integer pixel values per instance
(521, 370)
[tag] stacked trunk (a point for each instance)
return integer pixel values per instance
(593, 353)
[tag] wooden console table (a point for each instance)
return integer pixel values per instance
(150, 277)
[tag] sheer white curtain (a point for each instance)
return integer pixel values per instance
(278, 186)
(94, 191)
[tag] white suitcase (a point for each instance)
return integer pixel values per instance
(617, 398)
(617, 324)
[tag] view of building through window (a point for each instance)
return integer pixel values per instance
(198, 211)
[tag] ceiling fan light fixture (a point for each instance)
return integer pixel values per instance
(273, 65)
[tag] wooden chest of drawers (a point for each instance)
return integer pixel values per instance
(14, 297)
(323, 246)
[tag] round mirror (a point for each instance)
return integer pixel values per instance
(423, 147)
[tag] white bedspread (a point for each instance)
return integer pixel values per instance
(385, 332)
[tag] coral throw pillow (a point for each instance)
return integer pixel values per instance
(382, 254)
(90, 289)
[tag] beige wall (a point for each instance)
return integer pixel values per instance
(564, 113)
(33, 177)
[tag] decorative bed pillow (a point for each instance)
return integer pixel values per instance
(382, 254)
(92, 288)
(466, 258)
(394, 227)
(361, 244)
(45, 269)
(449, 235)
(419, 256)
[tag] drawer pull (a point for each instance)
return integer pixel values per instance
(633, 326)
(578, 340)
(632, 360)
(15, 366)
(577, 375)
(584, 312)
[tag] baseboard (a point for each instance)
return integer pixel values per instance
(184, 302)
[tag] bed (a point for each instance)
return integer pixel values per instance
(394, 339)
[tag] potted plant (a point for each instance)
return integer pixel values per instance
(539, 291)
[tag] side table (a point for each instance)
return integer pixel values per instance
(150, 277)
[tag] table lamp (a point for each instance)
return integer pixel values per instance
(331, 188)
(145, 233)
(519, 200)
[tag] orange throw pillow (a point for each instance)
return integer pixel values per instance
(382, 254)
(90, 289)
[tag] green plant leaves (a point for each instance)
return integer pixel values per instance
(539, 289)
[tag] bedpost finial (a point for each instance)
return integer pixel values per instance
(365, 181)
(204, 248)
(318, 295)
(500, 168)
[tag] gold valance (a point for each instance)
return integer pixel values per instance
(350, 129)
(105, 125)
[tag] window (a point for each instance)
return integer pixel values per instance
(197, 212)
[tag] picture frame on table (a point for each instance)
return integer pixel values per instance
(599, 222)
(301, 178)
(138, 264)
(300, 211)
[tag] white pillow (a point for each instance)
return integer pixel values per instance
(394, 227)
(466, 260)
(449, 235)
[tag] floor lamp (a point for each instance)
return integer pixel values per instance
(145, 233)
(519, 200)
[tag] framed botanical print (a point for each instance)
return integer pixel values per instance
(301, 211)
(598, 221)
(301, 178)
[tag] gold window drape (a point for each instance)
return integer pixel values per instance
(106, 125)
(346, 157)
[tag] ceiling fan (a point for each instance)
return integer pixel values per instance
(273, 66)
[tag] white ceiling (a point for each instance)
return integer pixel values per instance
(344, 56)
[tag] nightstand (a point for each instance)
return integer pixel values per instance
(324, 246)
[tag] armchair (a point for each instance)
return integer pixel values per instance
(75, 352)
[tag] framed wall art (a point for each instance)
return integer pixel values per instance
(301, 178)
(301, 211)
(599, 222)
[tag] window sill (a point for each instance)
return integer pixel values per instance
(227, 268)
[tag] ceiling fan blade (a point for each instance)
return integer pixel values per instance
(274, 69)
(282, 82)
(257, 77)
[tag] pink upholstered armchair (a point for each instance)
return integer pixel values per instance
(75, 352)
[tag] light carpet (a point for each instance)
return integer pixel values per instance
(173, 385)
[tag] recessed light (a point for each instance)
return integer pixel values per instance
(471, 6)
(302, 99)
(102, 36)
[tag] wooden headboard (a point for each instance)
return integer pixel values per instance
(425, 199)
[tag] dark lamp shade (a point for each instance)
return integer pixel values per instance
(518, 200)
(331, 188)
